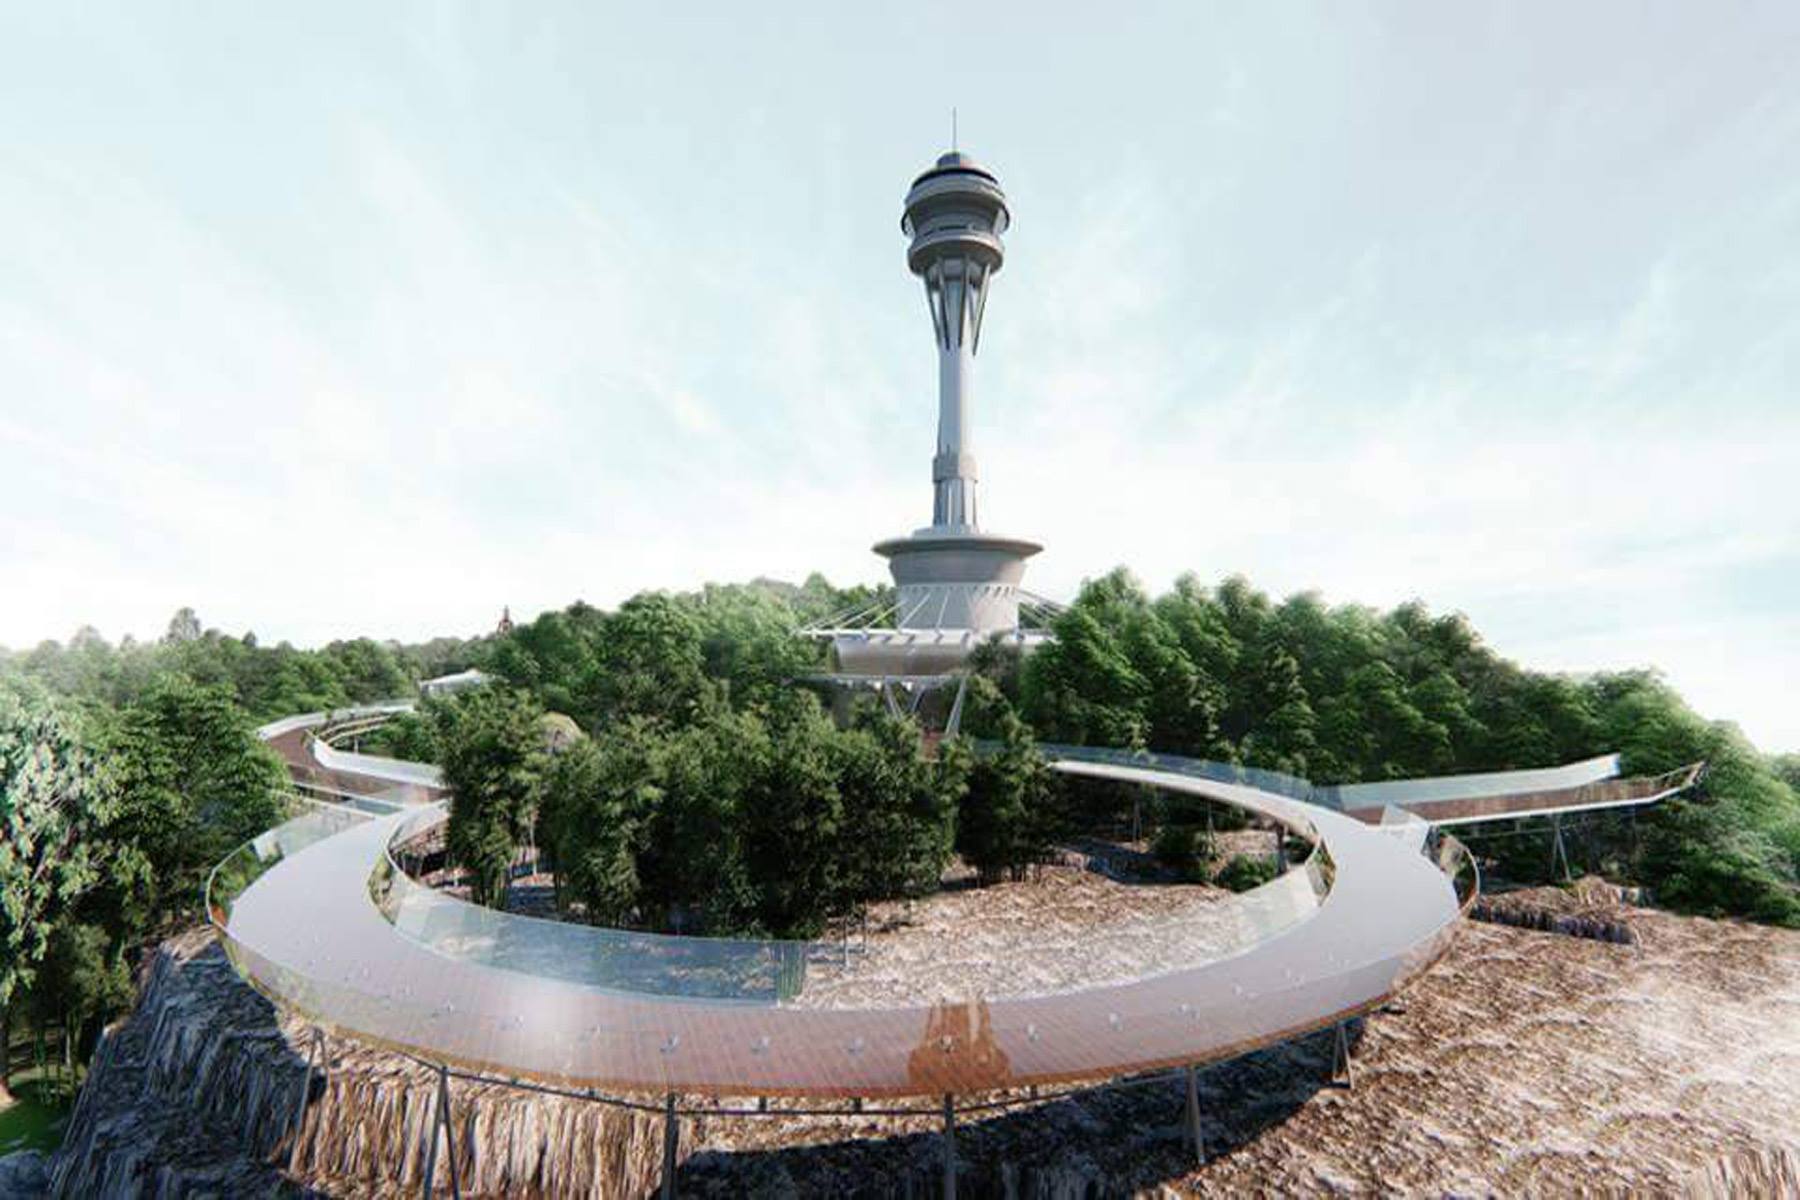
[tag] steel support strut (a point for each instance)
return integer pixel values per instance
(1559, 852)
(949, 1147)
(671, 1143)
(449, 1133)
(1193, 1118)
(1342, 1072)
(315, 1051)
(441, 1119)
(956, 708)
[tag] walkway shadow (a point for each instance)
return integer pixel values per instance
(1095, 1143)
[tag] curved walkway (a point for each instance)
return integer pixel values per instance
(309, 933)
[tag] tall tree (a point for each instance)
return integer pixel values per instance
(899, 809)
(1085, 687)
(184, 626)
(193, 782)
(789, 814)
(1001, 827)
(597, 796)
(691, 859)
(52, 800)
(1281, 726)
(652, 660)
(82, 978)
(492, 746)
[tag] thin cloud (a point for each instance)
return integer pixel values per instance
(380, 351)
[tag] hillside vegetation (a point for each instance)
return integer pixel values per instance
(126, 770)
(1347, 694)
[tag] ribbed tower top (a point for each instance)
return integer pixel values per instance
(955, 209)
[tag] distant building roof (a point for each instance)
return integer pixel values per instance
(454, 683)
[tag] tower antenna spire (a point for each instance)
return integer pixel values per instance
(953, 144)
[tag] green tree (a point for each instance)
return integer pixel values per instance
(1787, 769)
(184, 626)
(409, 735)
(1084, 687)
(366, 669)
(789, 815)
(899, 809)
(1184, 847)
(750, 643)
(1281, 727)
(193, 783)
(493, 759)
(690, 859)
(82, 979)
(597, 796)
(1001, 827)
(52, 801)
(652, 661)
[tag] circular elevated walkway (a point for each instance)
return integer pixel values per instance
(309, 931)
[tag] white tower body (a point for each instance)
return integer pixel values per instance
(956, 585)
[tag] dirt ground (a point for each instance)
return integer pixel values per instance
(1063, 928)
(1524, 1063)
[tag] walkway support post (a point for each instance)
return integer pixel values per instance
(440, 1119)
(1341, 1069)
(431, 1136)
(314, 1052)
(1193, 1117)
(1558, 851)
(671, 1142)
(449, 1132)
(444, 1119)
(949, 1146)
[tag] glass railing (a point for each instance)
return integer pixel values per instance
(1590, 783)
(310, 822)
(620, 960)
(772, 971)
(1290, 786)
(1486, 785)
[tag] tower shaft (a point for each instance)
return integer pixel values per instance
(953, 474)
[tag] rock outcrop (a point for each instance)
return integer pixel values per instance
(198, 1090)
(24, 1175)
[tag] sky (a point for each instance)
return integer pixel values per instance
(343, 319)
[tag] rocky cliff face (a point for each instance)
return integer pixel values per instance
(184, 1096)
(197, 1093)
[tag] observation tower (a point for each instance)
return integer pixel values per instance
(956, 585)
